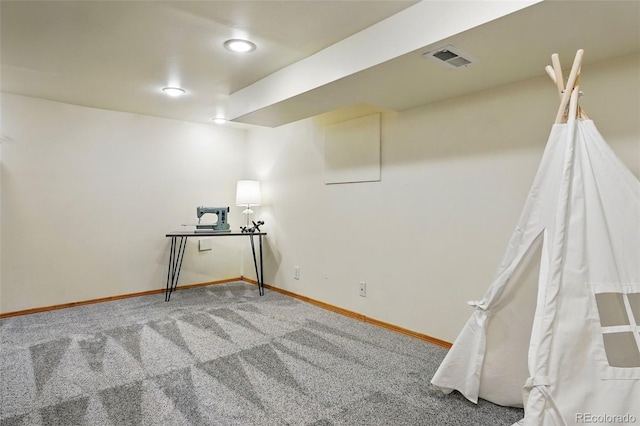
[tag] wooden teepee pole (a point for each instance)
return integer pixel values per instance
(572, 81)
(555, 73)
(557, 68)
(573, 103)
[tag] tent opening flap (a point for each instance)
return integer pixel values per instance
(505, 369)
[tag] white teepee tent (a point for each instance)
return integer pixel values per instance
(558, 331)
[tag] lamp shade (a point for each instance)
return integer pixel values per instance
(248, 193)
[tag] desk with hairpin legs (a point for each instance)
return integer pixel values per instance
(179, 245)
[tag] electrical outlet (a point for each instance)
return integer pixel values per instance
(296, 272)
(363, 289)
(205, 244)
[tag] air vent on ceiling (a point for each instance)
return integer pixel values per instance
(451, 57)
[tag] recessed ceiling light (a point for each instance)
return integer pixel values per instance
(239, 45)
(173, 91)
(219, 120)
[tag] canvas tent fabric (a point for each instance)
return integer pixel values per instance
(558, 331)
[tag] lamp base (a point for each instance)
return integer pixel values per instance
(247, 212)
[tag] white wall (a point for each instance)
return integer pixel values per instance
(430, 235)
(88, 196)
(2, 139)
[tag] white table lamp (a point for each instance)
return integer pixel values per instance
(248, 195)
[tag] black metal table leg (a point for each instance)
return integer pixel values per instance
(175, 263)
(170, 283)
(255, 264)
(261, 279)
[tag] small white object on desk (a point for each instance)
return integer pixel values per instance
(248, 195)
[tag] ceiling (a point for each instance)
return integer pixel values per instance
(313, 56)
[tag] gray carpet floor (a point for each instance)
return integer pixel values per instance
(221, 355)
